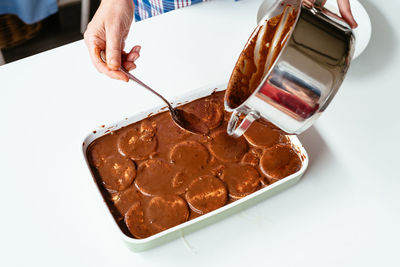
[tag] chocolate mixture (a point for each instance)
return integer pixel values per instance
(154, 175)
(257, 57)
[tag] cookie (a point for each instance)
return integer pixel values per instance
(262, 136)
(164, 212)
(206, 193)
(154, 177)
(227, 148)
(117, 172)
(137, 144)
(279, 161)
(241, 180)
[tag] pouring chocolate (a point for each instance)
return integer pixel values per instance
(290, 68)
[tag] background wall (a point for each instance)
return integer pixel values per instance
(56, 30)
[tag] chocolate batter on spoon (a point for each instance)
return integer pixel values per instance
(190, 122)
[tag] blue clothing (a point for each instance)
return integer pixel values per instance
(148, 8)
(30, 11)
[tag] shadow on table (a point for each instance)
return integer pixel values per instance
(377, 57)
(314, 145)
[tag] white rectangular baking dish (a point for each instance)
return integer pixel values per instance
(190, 226)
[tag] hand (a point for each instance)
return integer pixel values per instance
(345, 11)
(344, 8)
(107, 31)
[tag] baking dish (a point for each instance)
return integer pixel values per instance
(211, 217)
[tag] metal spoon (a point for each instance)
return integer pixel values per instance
(185, 120)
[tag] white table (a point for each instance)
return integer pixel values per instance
(344, 212)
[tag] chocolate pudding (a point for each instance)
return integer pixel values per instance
(154, 175)
(257, 57)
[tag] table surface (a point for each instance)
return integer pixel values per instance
(344, 212)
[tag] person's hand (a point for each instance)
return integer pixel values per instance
(107, 31)
(344, 8)
(345, 11)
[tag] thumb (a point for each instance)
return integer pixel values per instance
(113, 49)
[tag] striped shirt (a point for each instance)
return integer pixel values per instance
(148, 8)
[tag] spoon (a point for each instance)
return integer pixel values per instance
(185, 120)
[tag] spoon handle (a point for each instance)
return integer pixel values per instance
(133, 78)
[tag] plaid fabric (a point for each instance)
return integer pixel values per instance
(148, 8)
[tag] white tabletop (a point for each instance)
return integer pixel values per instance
(344, 212)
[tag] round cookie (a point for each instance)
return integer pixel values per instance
(180, 182)
(189, 155)
(206, 193)
(134, 220)
(209, 111)
(99, 151)
(164, 212)
(227, 148)
(117, 173)
(262, 136)
(250, 158)
(168, 132)
(124, 200)
(137, 144)
(154, 177)
(279, 161)
(148, 127)
(241, 179)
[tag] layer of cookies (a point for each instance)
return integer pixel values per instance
(154, 175)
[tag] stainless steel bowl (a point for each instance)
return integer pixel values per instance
(306, 74)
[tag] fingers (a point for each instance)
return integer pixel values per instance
(94, 51)
(103, 68)
(129, 65)
(344, 8)
(345, 11)
(113, 48)
(107, 32)
(308, 3)
(95, 45)
(129, 59)
(134, 53)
